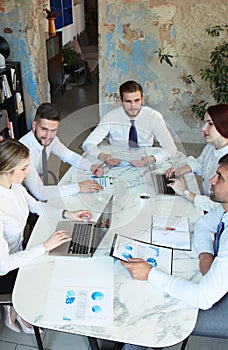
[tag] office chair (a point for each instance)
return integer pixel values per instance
(212, 322)
(6, 299)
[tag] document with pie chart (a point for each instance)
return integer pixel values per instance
(81, 292)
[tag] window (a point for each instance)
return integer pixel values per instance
(65, 8)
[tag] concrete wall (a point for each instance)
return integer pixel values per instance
(21, 22)
(131, 31)
(23, 26)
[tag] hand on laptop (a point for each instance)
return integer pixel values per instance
(79, 215)
(90, 186)
(56, 239)
(177, 184)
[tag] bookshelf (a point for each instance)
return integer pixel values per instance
(12, 98)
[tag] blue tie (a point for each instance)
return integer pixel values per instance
(133, 138)
(218, 233)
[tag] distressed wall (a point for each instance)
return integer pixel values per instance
(21, 23)
(131, 31)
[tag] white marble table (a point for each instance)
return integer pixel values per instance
(142, 314)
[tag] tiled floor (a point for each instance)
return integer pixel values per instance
(76, 98)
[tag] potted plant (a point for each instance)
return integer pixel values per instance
(72, 59)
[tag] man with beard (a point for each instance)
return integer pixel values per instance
(211, 242)
(43, 135)
(131, 124)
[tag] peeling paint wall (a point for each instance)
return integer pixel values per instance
(20, 26)
(130, 31)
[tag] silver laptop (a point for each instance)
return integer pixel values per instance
(85, 236)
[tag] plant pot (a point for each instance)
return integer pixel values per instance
(51, 26)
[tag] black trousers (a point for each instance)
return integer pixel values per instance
(7, 282)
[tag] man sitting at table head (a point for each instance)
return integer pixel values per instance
(211, 242)
(43, 135)
(133, 125)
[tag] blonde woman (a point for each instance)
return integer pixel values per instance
(15, 204)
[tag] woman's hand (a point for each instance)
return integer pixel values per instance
(56, 239)
(79, 215)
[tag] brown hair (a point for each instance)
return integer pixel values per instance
(130, 86)
(219, 116)
(47, 111)
(12, 154)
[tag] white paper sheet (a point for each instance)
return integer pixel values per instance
(171, 231)
(81, 292)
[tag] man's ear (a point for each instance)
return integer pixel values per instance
(142, 99)
(33, 125)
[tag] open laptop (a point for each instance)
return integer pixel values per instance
(85, 236)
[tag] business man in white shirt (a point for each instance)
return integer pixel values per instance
(43, 134)
(210, 293)
(116, 125)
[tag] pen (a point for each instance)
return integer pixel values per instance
(168, 228)
(103, 165)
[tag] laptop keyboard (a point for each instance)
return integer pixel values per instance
(162, 181)
(80, 243)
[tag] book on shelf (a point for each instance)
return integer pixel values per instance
(20, 106)
(6, 87)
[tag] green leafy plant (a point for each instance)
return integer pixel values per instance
(164, 56)
(216, 73)
(71, 58)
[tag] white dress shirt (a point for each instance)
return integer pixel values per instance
(116, 124)
(33, 181)
(206, 165)
(15, 204)
(214, 284)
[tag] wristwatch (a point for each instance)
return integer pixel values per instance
(186, 193)
(63, 214)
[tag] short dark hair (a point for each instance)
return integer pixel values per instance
(47, 111)
(130, 86)
(223, 159)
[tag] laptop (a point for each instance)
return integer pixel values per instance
(160, 182)
(86, 237)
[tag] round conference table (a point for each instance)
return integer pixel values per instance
(141, 314)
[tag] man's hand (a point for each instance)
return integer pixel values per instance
(174, 171)
(138, 268)
(108, 159)
(90, 186)
(97, 169)
(178, 185)
(205, 261)
(139, 163)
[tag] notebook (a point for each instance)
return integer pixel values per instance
(85, 236)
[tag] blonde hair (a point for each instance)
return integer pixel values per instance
(12, 155)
